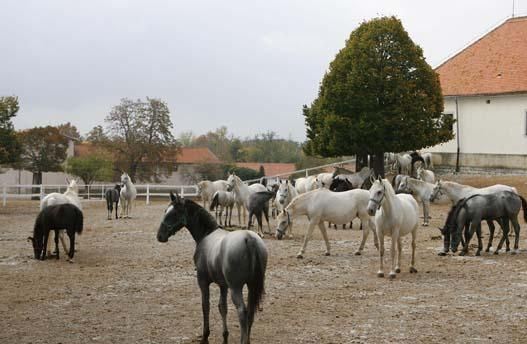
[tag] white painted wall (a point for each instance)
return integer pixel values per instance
(495, 128)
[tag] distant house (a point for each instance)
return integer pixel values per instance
(485, 89)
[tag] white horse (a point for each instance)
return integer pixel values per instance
(421, 191)
(455, 191)
(208, 188)
(324, 180)
(324, 205)
(403, 163)
(395, 216)
(285, 194)
(71, 195)
(243, 191)
(429, 162)
(128, 195)
(426, 175)
(305, 184)
(224, 200)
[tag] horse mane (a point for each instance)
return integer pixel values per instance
(388, 187)
(200, 217)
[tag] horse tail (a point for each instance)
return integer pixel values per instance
(524, 207)
(79, 223)
(256, 282)
(215, 201)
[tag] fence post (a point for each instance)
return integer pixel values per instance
(147, 194)
(4, 192)
(102, 192)
(41, 192)
(182, 191)
(88, 192)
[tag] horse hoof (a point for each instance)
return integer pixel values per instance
(478, 253)
(327, 254)
(413, 270)
(398, 270)
(380, 274)
(425, 224)
(299, 256)
(513, 252)
(392, 275)
(442, 253)
(358, 253)
(496, 252)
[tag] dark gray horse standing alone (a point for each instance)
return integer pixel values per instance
(258, 206)
(229, 259)
(112, 196)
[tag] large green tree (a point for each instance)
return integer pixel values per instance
(43, 150)
(379, 95)
(90, 168)
(10, 147)
(141, 133)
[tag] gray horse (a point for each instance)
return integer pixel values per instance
(229, 259)
(503, 206)
(258, 206)
(112, 196)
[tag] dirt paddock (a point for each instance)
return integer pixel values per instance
(126, 287)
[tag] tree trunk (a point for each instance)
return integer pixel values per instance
(361, 160)
(378, 164)
(37, 180)
(85, 190)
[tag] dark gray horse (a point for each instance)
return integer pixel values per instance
(112, 196)
(258, 206)
(229, 259)
(502, 206)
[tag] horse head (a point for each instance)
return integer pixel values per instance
(174, 219)
(377, 194)
(436, 190)
(284, 221)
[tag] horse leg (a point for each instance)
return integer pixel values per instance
(399, 252)
(506, 228)
(365, 234)
(306, 238)
(71, 252)
(413, 270)
(205, 307)
(45, 243)
(480, 242)
(109, 210)
(267, 219)
(57, 242)
(325, 236)
(291, 229)
(237, 299)
(491, 236)
(260, 224)
(380, 235)
(395, 239)
(516, 226)
(426, 212)
(222, 306)
(469, 233)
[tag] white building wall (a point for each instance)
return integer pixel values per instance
(497, 127)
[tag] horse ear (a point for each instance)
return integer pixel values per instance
(173, 197)
(372, 179)
(67, 180)
(379, 178)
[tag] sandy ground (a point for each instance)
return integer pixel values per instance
(126, 287)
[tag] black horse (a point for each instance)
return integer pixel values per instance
(502, 206)
(112, 196)
(229, 259)
(415, 158)
(258, 206)
(56, 217)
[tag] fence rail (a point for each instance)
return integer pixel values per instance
(94, 191)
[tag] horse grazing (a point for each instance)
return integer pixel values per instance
(56, 217)
(128, 195)
(229, 259)
(426, 175)
(71, 196)
(223, 200)
(324, 205)
(112, 196)
(395, 216)
(285, 194)
(243, 191)
(421, 191)
(207, 189)
(503, 206)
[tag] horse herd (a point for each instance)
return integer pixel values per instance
(234, 259)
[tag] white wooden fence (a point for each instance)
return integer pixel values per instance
(94, 191)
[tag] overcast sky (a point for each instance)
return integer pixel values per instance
(248, 65)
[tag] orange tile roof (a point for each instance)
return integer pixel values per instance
(494, 64)
(188, 155)
(270, 168)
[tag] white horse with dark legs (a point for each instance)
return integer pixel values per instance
(244, 191)
(426, 175)
(208, 188)
(305, 184)
(324, 205)
(71, 196)
(285, 194)
(128, 195)
(395, 216)
(220, 201)
(421, 191)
